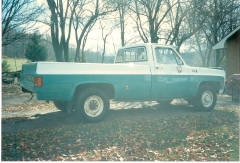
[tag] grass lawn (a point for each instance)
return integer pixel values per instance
(200, 137)
(18, 65)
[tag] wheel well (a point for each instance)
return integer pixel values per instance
(214, 84)
(108, 89)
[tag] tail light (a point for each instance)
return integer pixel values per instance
(38, 81)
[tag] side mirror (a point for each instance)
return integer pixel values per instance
(180, 62)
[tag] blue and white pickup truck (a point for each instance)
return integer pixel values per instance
(141, 72)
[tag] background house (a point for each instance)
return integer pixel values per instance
(231, 43)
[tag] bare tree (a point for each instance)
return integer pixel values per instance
(122, 10)
(18, 18)
(171, 21)
(80, 17)
(201, 46)
(104, 36)
(85, 18)
(61, 25)
(184, 20)
(154, 11)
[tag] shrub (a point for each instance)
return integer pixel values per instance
(5, 66)
(35, 51)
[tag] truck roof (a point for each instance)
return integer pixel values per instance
(147, 45)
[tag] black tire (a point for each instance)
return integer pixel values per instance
(92, 104)
(61, 105)
(236, 96)
(206, 99)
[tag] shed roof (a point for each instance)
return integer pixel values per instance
(220, 44)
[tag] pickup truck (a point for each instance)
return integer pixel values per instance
(140, 72)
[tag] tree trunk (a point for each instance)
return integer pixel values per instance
(122, 24)
(66, 51)
(77, 54)
(58, 53)
(104, 48)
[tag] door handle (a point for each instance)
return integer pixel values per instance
(159, 67)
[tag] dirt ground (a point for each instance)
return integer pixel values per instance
(20, 111)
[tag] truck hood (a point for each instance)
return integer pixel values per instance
(213, 71)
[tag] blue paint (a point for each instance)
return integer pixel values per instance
(170, 86)
(62, 87)
(139, 87)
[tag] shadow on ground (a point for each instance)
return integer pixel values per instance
(58, 119)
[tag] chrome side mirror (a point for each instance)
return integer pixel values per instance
(180, 63)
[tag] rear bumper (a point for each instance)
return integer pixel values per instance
(27, 87)
(26, 91)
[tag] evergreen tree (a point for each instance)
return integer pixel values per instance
(5, 66)
(35, 51)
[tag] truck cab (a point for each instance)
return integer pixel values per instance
(171, 76)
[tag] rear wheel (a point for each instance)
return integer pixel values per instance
(61, 105)
(92, 104)
(206, 98)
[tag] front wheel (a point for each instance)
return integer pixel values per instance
(206, 98)
(92, 104)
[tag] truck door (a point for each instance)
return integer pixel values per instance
(171, 78)
(134, 82)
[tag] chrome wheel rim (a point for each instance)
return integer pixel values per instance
(93, 106)
(207, 98)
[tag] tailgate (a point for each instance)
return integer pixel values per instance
(27, 76)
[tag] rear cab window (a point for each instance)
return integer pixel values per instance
(135, 54)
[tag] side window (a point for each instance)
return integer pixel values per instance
(141, 54)
(137, 54)
(166, 56)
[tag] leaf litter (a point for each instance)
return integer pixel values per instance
(185, 138)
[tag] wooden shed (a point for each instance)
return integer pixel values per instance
(231, 43)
